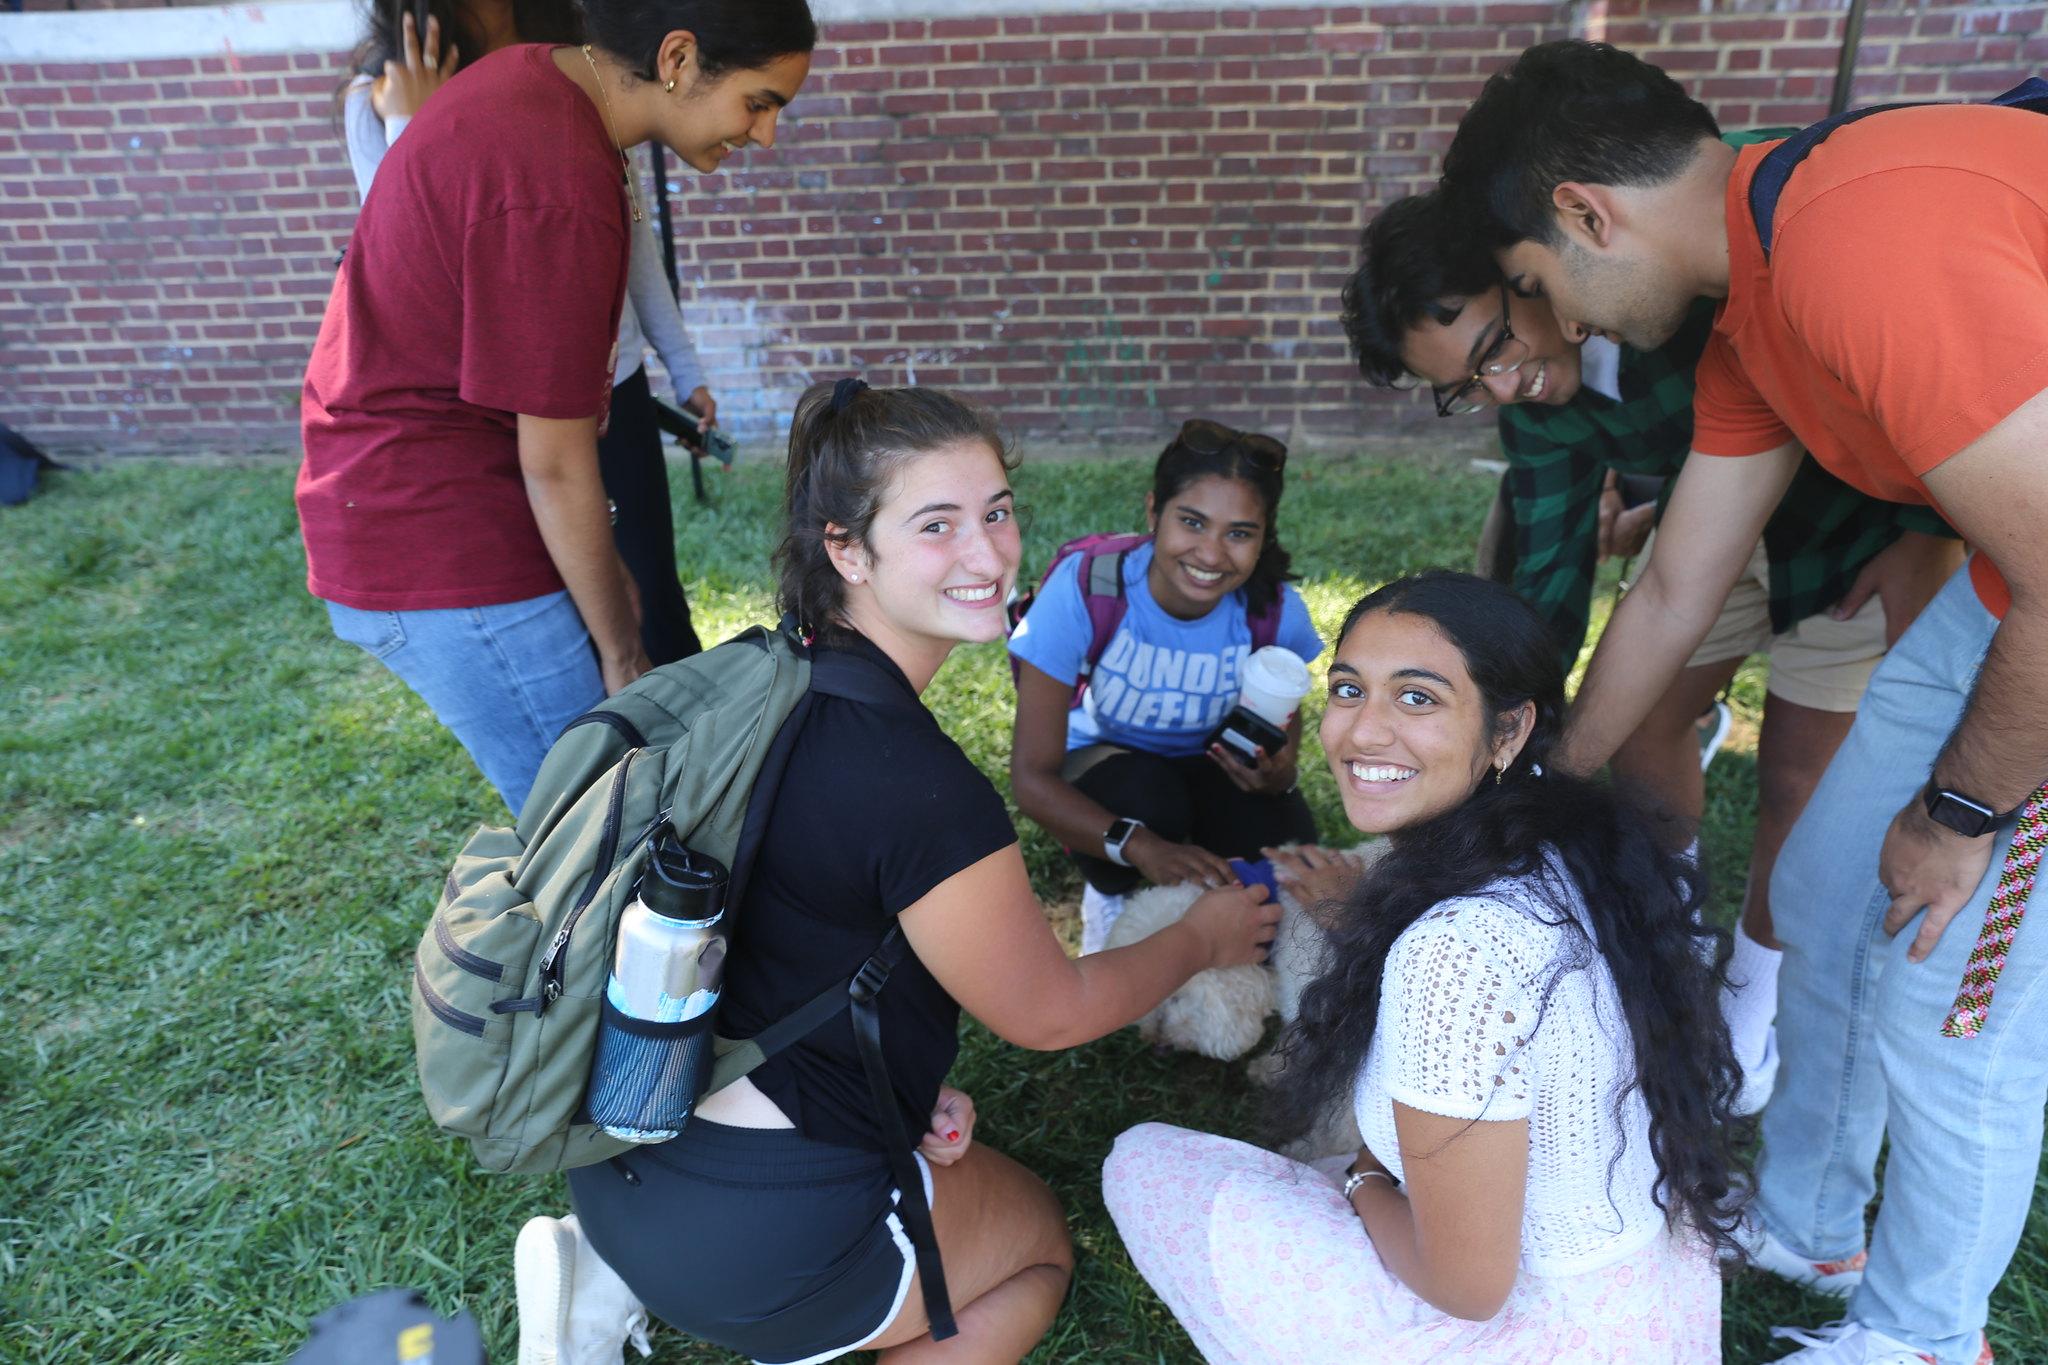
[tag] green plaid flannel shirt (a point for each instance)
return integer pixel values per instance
(1821, 536)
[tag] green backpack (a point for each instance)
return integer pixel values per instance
(509, 979)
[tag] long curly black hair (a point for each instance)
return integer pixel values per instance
(1642, 900)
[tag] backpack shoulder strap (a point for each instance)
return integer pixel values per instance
(858, 995)
(834, 673)
(838, 673)
(911, 1204)
(1779, 163)
(1266, 624)
(1101, 579)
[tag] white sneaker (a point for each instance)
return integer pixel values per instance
(573, 1308)
(604, 1314)
(1760, 1080)
(1766, 1252)
(1851, 1343)
(1098, 912)
(543, 1271)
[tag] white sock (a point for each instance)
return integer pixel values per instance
(1750, 1003)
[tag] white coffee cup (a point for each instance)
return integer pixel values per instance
(1275, 680)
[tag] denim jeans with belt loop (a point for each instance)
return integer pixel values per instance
(1859, 1027)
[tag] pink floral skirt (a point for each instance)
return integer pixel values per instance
(1262, 1260)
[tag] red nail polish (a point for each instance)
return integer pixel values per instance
(952, 1135)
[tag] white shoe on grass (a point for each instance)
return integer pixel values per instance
(1851, 1343)
(1765, 1252)
(1098, 912)
(573, 1308)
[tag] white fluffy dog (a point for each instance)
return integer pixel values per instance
(1221, 1013)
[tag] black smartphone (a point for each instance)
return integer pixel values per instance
(1243, 733)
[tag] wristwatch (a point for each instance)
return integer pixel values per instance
(1120, 831)
(1970, 818)
(1356, 1178)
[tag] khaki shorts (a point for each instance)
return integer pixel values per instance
(1820, 663)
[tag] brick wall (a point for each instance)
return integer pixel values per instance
(1099, 222)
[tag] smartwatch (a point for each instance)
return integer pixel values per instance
(1120, 831)
(1968, 817)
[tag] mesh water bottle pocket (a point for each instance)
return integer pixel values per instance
(646, 1076)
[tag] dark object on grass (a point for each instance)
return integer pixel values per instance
(20, 464)
(688, 428)
(391, 1327)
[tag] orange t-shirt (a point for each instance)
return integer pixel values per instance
(1903, 311)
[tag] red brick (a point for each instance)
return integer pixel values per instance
(1959, 52)
(1059, 169)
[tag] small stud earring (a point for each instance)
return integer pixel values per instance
(853, 578)
(670, 85)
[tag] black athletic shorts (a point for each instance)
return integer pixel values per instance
(762, 1241)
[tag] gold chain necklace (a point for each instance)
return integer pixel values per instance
(625, 166)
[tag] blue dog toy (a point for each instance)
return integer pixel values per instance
(1259, 873)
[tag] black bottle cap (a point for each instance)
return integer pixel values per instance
(681, 883)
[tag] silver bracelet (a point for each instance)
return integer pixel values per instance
(1357, 1178)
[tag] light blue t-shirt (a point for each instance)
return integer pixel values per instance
(1163, 683)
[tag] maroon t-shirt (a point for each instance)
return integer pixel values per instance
(484, 280)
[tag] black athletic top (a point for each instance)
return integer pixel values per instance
(877, 807)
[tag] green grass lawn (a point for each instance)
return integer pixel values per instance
(221, 831)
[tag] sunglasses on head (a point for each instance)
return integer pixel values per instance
(1205, 437)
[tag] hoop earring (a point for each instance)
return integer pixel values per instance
(1499, 773)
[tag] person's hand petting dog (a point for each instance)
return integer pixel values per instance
(1319, 879)
(952, 1128)
(1237, 924)
(1165, 863)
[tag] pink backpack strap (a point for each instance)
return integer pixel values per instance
(1101, 579)
(1266, 624)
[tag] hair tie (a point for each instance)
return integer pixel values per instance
(845, 391)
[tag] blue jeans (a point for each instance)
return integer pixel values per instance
(1859, 1027)
(505, 678)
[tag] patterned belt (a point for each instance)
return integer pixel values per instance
(2001, 920)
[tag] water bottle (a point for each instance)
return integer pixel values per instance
(665, 972)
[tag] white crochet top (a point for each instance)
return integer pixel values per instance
(1462, 991)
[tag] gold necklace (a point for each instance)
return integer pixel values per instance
(625, 166)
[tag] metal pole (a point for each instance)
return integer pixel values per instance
(1845, 69)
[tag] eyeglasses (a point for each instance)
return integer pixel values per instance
(1205, 437)
(1507, 354)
